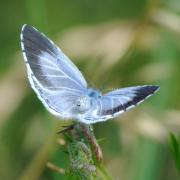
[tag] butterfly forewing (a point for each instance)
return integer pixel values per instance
(47, 62)
(120, 100)
(129, 97)
(55, 79)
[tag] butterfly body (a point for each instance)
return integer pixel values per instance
(94, 93)
(62, 88)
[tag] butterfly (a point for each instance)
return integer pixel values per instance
(62, 88)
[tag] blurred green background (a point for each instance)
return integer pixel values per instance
(115, 44)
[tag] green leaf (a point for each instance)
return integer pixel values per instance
(175, 143)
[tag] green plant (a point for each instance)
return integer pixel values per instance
(84, 154)
(175, 144)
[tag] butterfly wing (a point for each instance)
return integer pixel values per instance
(119, 101)
(54, 78)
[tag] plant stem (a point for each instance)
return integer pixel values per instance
(85, 158)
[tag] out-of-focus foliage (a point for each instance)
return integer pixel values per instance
(115, 44)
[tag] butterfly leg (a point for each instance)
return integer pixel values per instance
(66, 129)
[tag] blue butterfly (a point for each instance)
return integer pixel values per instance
(62, 88)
